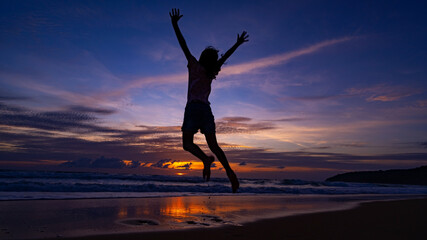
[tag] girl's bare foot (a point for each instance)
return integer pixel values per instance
(234, 181)
(207, 168)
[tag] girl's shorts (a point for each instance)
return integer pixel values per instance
(198, 115)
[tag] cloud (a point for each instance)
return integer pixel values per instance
(186, 166)
(172, 164)
(101, 162)
(280, 58)
(317, 148)
(242, 164)
(263, 158)
(164, 163)
(422, 103)
(354, 144)
(159, 129)
(65, 120)
(94, 69)
(64, 135)
(236, 119)
(54, 75)
(380, 92)
(13, 98)
(227, 70)
(232, 125)
(292, 119)
(6, 108)
(313, 98)
(144, 145)
(383, 92)
(145, 82)
(164, 51)
(84, 109)
(72, 97)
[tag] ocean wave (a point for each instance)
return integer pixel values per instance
(122, 185)
(7, 174)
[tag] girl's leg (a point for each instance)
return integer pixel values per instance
(190, 146)
(213, 145)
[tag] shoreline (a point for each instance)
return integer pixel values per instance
(381, 219)
(136, 218)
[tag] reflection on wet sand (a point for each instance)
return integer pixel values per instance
(178, 209)
(67, 218)
(123, 212)
(213, 210)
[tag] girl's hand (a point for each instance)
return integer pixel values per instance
(242, 38)
(175, 16)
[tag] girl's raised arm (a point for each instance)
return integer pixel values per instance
(175, 16)
(240, 40)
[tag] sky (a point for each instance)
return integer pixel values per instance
(321, 88)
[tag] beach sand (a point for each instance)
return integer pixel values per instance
(404, 219)
(393, 219)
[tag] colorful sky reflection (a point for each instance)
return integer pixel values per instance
(322, 87)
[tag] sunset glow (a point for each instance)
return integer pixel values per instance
(320, 88)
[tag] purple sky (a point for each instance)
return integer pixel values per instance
(321, 87)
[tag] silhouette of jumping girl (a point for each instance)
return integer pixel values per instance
(198, 113)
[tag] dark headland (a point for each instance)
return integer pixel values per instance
(414, 176)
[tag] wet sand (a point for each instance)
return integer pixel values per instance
(404, 219)
(221, 217)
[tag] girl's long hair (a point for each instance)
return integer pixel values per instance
(209, 60)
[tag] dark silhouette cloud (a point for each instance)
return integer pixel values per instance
(288, 120)
(14, 98)
(164, 163)
(264, 158)
(35, 140)
(236, 119)
(146, 145)
(355, 145)
(346, 145)
(314, 148)
(101, 162)
(4, 108)
(73, 121)
(230, 125)
(84, 109)
(169, 163)
(186, 166)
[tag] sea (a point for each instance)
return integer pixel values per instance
(31, 185)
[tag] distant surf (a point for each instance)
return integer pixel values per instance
(19, 185)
